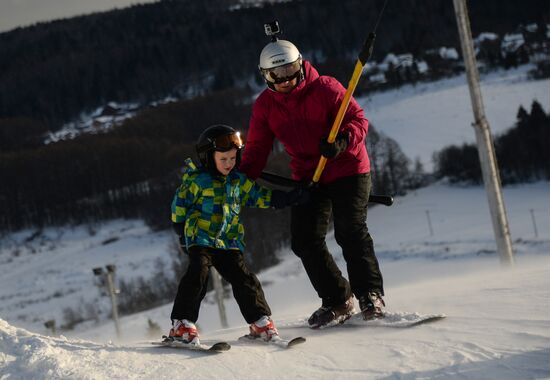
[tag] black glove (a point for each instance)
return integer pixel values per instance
(282, 199)
(338, 146)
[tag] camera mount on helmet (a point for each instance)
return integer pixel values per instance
(280, 60)
(272, 30)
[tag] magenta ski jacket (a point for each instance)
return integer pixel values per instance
(299, 120)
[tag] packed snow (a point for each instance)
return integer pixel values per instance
(436, 250)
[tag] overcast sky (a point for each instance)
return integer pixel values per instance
(14, 13)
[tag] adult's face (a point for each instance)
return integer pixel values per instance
(286, 87)
(284, 78)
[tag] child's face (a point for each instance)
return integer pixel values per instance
(225, 161)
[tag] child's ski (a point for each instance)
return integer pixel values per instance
(176, 343)
(277, 341)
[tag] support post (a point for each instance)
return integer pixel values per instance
(487, 157)
(107, 279)
(113, 292)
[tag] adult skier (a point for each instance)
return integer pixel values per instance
(298, 108)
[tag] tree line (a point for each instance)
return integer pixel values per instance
(522, 152)
(124, 173)
(51, 72)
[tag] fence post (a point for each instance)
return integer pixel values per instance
(218, 289)
(429, 222)
(534, 222)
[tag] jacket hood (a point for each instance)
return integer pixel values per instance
(189, 166)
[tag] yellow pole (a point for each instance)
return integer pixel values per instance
(363, 57)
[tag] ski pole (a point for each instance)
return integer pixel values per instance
(362, 59)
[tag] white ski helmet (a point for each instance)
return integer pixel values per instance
(277, 54)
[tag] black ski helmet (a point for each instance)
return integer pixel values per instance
(221, 138)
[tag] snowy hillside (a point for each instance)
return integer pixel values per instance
(436, 249)
(429, 116)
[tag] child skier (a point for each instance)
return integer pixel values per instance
(205, 215)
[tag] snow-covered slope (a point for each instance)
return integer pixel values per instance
(498, 319)
(55, 267)
(497, 325)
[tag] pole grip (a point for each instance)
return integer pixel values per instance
(368, 46)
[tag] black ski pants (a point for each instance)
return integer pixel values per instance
(347, 200)
(247, 290)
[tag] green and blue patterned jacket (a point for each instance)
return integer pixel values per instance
(210, 206)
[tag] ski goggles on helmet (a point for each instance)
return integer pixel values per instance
(227, 142)
(281, 74)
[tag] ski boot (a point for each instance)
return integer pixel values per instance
(264, 328)
(372, 306)
(328, 314)
(184, 331)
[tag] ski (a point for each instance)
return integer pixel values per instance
(390, 319)
(276, 341)
(176, 343)
(395, 320)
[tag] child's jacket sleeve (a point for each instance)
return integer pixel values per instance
(254, 195)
